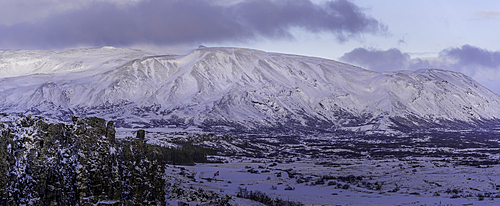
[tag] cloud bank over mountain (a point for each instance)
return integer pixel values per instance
(158, 22)
(481, 64)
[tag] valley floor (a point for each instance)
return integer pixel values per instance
(428, 168)
(409, 181)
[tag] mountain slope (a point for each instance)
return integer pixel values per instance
(240, 90)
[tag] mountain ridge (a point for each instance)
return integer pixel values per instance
(244, 90)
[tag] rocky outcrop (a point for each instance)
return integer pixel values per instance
(48, 163)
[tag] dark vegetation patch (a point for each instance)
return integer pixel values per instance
(459, 144)
(264, 198)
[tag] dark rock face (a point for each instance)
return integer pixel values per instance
(76, 164)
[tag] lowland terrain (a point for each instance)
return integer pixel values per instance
(445, 168)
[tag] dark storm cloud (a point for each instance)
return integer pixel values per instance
(171, 22)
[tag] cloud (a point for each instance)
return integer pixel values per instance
(468, 55)
(171, 22)
(377, 60)
(486, 15)
(22, 11)
(480, 64)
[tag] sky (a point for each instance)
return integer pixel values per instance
(382, 35)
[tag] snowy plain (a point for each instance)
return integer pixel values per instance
(434, 182)
(405, 170)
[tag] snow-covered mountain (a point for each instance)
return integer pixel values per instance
(239, 90)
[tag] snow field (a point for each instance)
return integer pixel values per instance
(419, 181)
